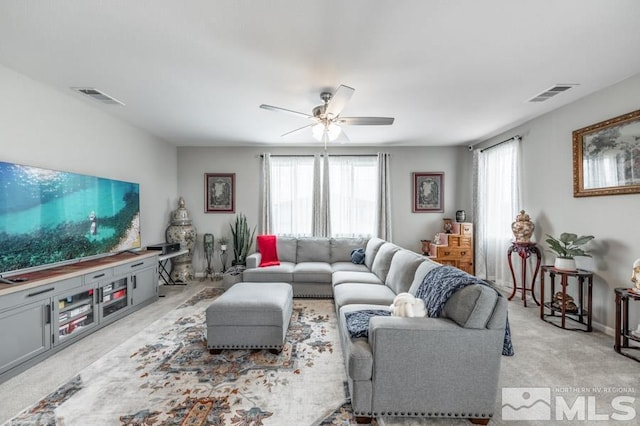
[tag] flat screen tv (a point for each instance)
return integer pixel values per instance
(50, 217)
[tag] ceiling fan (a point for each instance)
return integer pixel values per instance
(326, 120)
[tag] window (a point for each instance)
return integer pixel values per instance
(292, 196)
(353, 183)
(353, 195)
(497, 204)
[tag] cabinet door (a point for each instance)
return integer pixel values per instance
(73, 314)
(114, 298)
(24, 332)
(144, 286)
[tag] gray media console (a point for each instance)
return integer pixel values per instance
(55, 307)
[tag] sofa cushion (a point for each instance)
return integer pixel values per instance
(421, 271)
(279, 273)
(313, 250)
(371, 250)
(287, 248)
(348, 266)
(355, 293)
(472, 306)
(312, 272)
(268, 250)
(350, 276)
(341, 248)
(402, 270)
(382, 261)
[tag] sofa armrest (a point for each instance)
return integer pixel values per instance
(419, 363)
(253, 260)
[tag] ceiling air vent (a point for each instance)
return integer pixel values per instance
(98, 95)
(549, 93)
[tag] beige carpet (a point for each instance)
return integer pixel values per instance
(574, 374)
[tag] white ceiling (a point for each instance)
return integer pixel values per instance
(194, 72)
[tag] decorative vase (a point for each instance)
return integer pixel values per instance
(181, 231)
(461, 216)
(565, 264)
(522, 228)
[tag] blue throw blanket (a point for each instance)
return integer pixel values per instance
(441, 282)
(358, 321)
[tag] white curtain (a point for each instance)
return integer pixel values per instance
(321, 223)
(353, 195)
(383, 218)
(326, 199)
(497, 201)
(338, 196)
(265, 220)
(292, 195)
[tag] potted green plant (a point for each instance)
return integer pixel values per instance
(242, 239)
(566, 247)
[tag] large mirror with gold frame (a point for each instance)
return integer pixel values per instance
(606, 157)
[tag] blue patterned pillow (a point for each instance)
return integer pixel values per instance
(358, 321)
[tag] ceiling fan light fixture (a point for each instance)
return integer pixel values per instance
(332, 129)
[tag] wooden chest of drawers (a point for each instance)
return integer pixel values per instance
(457, 250)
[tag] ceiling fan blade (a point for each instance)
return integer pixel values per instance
(339, 100)
(365, 121)
(278, 109)
(298, 129)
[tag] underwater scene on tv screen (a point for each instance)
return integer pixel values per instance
(49, 216)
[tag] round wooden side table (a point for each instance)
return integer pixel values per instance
(623, 333)
(581, 313)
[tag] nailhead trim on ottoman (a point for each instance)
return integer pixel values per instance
(250, 315)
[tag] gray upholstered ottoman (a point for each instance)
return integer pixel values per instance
(250, 316)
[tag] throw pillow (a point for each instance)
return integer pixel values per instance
(357, 256)
(268, 250)
(406, 305)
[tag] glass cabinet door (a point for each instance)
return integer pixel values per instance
(114, 297)
(74, 313)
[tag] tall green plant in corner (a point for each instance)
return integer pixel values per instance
(242, 239)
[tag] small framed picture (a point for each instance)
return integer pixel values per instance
(428, 192)
(219, 192)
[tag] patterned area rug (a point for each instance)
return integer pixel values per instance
(166, 376)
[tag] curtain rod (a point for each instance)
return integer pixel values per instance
(330, 155)
(516, 137)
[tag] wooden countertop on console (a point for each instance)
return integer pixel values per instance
(46, 276)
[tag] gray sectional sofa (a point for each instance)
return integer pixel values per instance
(308, 264)
(445, 367)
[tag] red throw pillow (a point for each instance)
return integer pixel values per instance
(268, 250)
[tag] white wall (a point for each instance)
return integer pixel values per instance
(42, 127)
(548, 193)
(408, 228)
